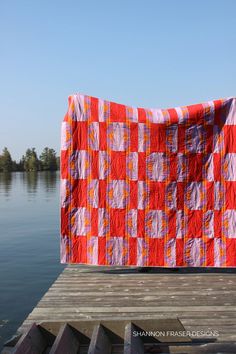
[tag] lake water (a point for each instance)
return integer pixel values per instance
(29, 244)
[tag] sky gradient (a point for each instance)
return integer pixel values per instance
(152, 53)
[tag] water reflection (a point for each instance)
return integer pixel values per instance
(34, 182)
(30, 179)
(5, 183)
(50, 180)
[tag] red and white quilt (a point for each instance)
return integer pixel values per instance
(148, 187)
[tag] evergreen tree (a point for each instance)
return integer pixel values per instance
(6, 163)
(21, 163)
(48, 159)
(15, 166)
(31, 162)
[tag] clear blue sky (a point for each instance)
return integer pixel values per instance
(153, 53)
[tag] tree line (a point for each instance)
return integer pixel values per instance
(47, 161)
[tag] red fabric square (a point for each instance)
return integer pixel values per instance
(231, 252)
(94, 222)
(133, 137)
(218, 112)
(157, 137)
(142, 115)
(180, 195)
(171, 224)
(195, 167)
(156, 252)
(217, 166)
(102, 250)
(64, 164)
(118, 165)
(181, 138)
(196, 113)
(102, 193)
(173, 167)
(132, 251)
(173, 115)
(94, 109)
(64, 222)
(217, 223)
(157, 195)
(210, 252)
(102, 136)
(179, 252)
(195, 218)
(117, 112)
(141, 223)
(94, 156)
(133, 194)
(80, 133)
(141, 166)
(208, 139)
(79, 189)
(230, 195)
(79, 249)
(209, 195)
(117, 222)
(229, 138)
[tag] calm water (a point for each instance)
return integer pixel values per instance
(29, 244)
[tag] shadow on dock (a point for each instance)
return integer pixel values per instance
(156, 270)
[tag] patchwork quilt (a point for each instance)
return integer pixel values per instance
(148, 187)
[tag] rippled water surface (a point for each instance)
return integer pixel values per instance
(29, 244)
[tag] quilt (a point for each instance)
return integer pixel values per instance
(148, 187)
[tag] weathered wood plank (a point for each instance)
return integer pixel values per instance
(135, 309)
(133, 302)
(131, 293)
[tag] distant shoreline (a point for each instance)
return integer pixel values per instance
(30, 162)
(8, 172)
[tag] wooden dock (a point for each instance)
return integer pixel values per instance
(103, 302)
